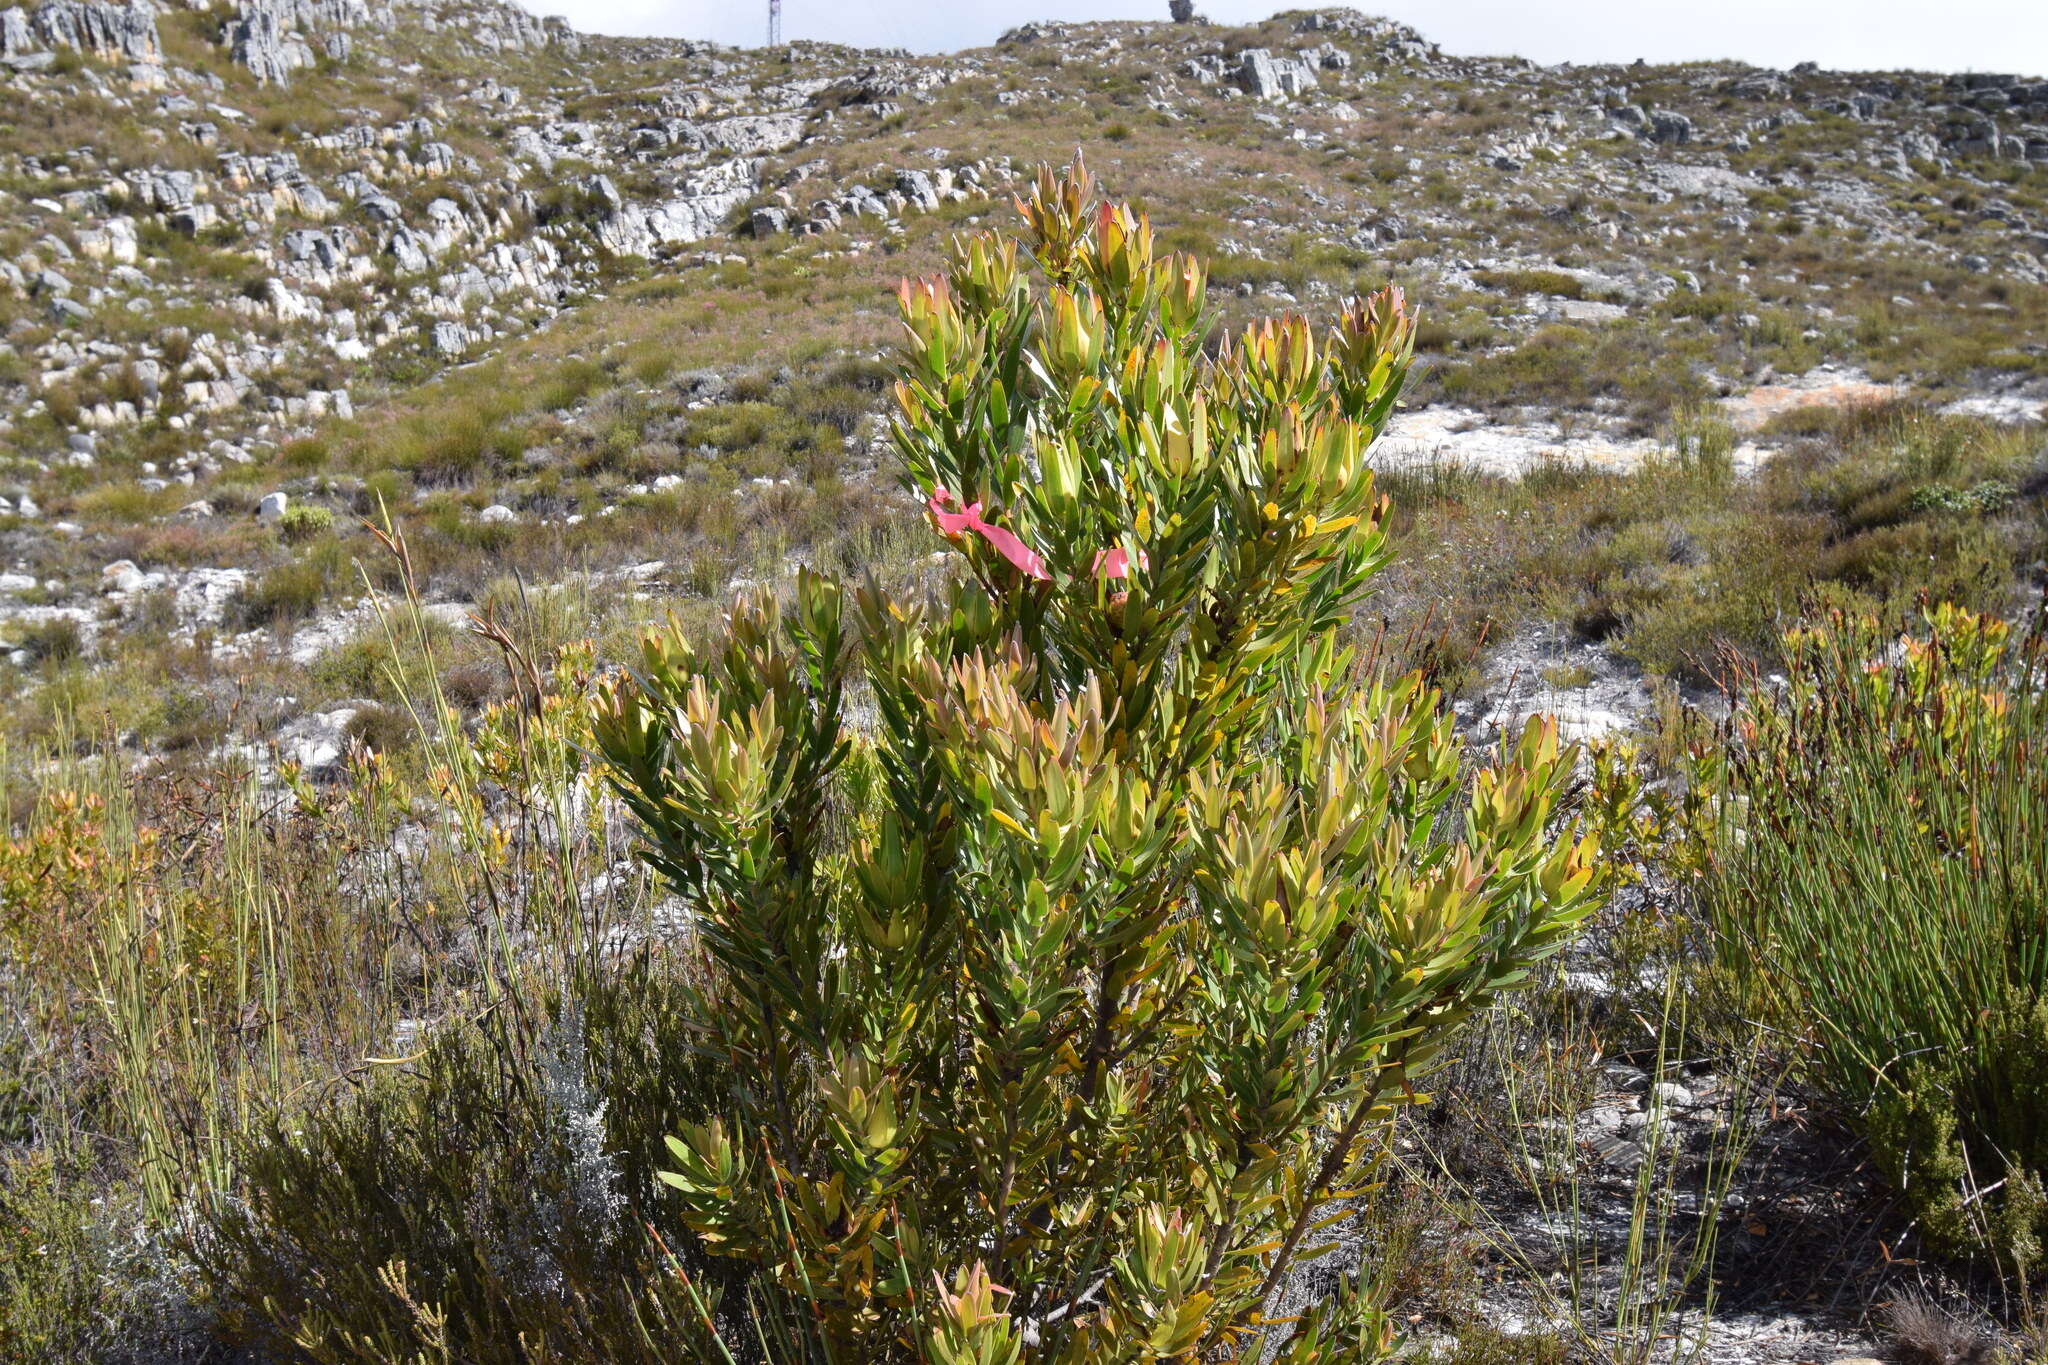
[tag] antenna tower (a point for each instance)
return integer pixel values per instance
(775, 23)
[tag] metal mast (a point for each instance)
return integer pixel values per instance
(775, 23)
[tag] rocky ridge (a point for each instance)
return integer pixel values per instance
(356, 247)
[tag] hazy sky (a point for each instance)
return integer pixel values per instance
(1945, 35)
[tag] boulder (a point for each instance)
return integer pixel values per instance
(407, 251)
(114, 241)
(316, 742)
(190, 222)
(1669, 128)
(204, 595)
(123, 577)
(700, 211)
(917, 189)
(269, 36)
(754, 134)
(17, 39)
(1263, 76)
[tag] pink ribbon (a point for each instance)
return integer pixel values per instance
(969, 519)
(1116, 563)
(1110, 563)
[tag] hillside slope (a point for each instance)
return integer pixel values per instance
(226, 235)
(358, 358)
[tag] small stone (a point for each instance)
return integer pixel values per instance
(122, 576)
(1643, 1124)
(1604, 1118)
(1617, 1152)
(1628, 1079)
(497, 514)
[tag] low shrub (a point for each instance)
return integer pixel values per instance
(303, 521)
(76, 1283)
(55, 639)
(282, 595)
(382, 729)
(1556, 283)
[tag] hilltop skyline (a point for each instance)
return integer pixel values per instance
(1849, 35)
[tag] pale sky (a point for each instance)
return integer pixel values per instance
(1939, 35)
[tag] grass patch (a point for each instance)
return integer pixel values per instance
(1681, 562)
(1555, 283)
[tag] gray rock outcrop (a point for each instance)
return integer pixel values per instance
(260, 41)
(1263, 76)
(635, 229)
(17, 38)
(274, 38)
(123, 32)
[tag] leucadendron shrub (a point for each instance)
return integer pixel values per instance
(1075, 936)
(1881, 889)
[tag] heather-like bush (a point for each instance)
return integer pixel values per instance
(304, 520)
(493, 1201)
(1074, 936)
(1884, 891)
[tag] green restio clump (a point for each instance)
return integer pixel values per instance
(1883, 890)
(1073, 936)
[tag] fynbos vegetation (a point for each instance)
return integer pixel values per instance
(1181, 810)
(1061, 998)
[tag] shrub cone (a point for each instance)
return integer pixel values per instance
(1075, 936)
